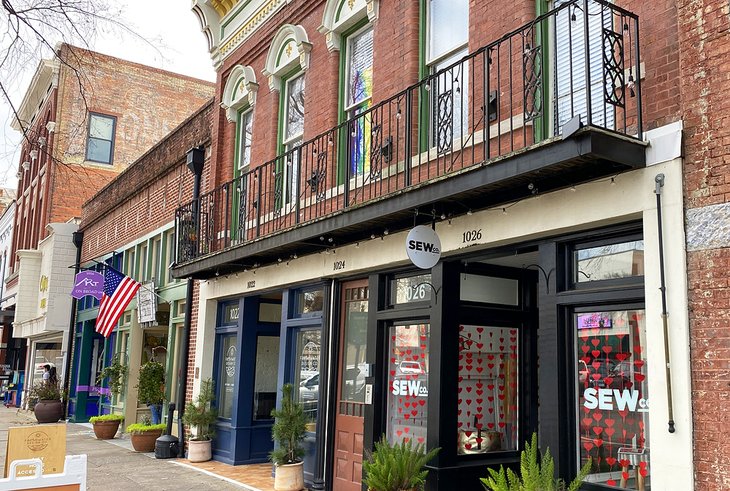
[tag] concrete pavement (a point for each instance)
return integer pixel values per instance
(115, 466)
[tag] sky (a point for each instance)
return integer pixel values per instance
(177, 45)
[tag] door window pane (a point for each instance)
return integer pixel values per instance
(227, 375)
(410, 289)
(354, 350)
(267, 369)
(306, 372)
(408, 368)
(613, 397)
(488, 389)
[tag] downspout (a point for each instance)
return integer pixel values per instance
(195, 162)
(78, 239)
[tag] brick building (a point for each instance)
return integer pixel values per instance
(84, 118)
(461, 222)
(129, 225)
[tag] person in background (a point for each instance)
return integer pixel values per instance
(52, 376)
(46, 372)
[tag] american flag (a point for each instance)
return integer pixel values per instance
(118, 292)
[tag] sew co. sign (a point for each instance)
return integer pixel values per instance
(423, 247)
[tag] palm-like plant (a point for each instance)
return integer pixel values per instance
(397, 467)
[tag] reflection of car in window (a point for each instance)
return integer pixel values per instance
(408, 367)
(309, 388)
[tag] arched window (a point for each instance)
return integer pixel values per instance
(239, 97)
(289, 52)
(341, 16)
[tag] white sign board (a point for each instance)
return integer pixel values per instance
(146, 303)
(423, 247)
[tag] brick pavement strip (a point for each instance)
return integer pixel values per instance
(114, 467)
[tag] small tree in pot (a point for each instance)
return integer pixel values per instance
(115, 375)
(200, 415)
(151, 388)
(288, 432)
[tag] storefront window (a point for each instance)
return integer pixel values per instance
(410, 289)
(613, 401)
(488, 390)
(306, 371)
(267, 369)
(408, 369)
(227, 375)
(47, 354)
(608, 262)
(308, 302)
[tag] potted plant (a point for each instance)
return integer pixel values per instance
(48, 406)
(143, 435)
(200, 415)
(397, 467)
(288, 432)
(115, 375)
(106, 426)
(151, 388)
(535, 475)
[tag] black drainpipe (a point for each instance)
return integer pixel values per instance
(195, 161)
(78, 240)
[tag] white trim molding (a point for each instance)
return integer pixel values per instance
(240, 91)
(341, 15)
(289, 48)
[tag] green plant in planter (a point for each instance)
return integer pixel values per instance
(137, 428)
(115, 374)
(45, 391)
(200, 414)
(397, 467)
(289, 429)
(535, 475)
(151, 384)
(106, 417)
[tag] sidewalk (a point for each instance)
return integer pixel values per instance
(112, 465)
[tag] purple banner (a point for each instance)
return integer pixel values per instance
(88, 283)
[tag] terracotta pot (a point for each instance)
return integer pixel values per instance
(199, 451)
(144, 441)
(48, 411)
(289, 477)
(106, 430)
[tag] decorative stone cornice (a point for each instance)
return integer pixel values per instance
(240, 91)
(341, 15)
(289, 48)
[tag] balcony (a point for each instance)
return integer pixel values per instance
(552, 104)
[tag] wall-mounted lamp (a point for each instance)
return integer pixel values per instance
(51, 126)
(41, 141)
(25, 165)
(34, 154)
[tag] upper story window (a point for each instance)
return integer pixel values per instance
(358, 97)
(100, 142)
(447, 37)
(239, 97)
(294, 112)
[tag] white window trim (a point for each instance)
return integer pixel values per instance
(234, 100)
(341, 15)
(277, 66)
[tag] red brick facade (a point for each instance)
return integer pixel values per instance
(147, 103)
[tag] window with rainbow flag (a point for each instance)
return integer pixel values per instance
(358, 96)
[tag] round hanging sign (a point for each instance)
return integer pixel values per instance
(423, 247)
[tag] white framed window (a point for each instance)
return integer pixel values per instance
(447, 37)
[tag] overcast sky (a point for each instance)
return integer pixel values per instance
(169, 25)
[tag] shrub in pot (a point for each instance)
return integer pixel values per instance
(48, 407)
(397, 467)
(151, 388)
(288, 432)
(200, 417)
(106, 426)
(144, 435)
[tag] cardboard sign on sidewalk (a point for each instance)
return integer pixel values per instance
(45, 442)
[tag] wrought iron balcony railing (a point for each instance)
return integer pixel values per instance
(578, 60)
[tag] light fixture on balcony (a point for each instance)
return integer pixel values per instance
(41, 141)
(51, 126)
(34, 154)
(25, 165)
